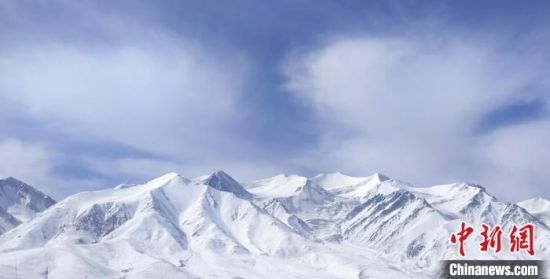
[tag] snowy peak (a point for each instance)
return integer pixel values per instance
(336, 179)
(223, 182)
(378, 177)
(284, 186)
(169, 211)
(164, 179)
(471, 202)
(454, 199)
(17, 192)
(538, 207)
(350, 186)
(279, 186)
(19, 202)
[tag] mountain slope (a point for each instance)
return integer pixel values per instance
(472, 203)
(19, 202)
(170, 221)
(539, 208)
(326, 226)
(373, 211)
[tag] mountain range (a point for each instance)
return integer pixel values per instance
(327, 226)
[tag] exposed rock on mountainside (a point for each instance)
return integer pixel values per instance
(327, 226)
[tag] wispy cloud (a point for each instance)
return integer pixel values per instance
(93, 94)
(409, 106)
(176, 101)
(23, 160)
(35, 163)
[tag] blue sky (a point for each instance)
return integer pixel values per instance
(94, 93)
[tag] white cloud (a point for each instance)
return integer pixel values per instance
(26, 161)
(145, 88)
(519, 158)
(408, 107)
(157, 97)
(132, 170)
(34, 164)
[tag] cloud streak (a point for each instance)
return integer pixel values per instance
(409, 106)
(176, 102)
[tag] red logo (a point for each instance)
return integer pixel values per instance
(520, 238)
(492, 240)
(463, 234)
(523, 239)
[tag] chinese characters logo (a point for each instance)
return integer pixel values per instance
(521, 238)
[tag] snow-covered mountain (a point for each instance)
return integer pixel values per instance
(19, 202)
(472, 203)
(538, 207)
(327, 226)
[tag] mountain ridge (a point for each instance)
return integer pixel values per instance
(19, 202)
(216, 226)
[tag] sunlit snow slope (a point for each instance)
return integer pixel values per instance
(327, 226)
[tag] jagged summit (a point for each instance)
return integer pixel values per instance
(14, 183)
(222, 181)
(380, 177)
(19, 202)
(14, 193)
